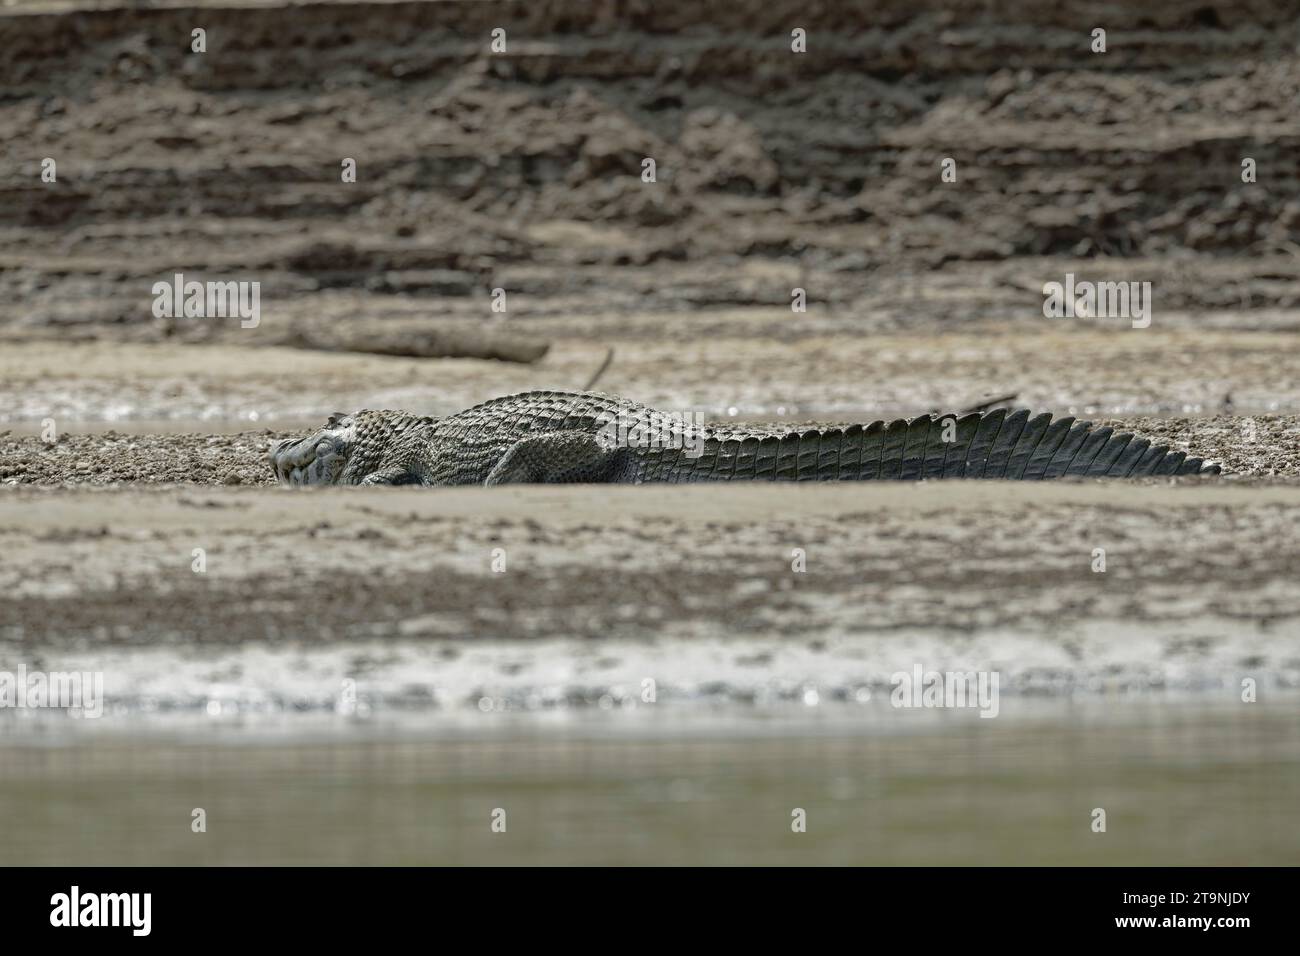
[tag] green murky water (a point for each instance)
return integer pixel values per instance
(1181, 783)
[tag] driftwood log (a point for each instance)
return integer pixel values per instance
(423, 343)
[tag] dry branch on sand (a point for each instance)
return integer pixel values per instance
(427, 343)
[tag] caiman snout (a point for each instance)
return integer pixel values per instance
(317, 459)
(293, 461)
(286, 460)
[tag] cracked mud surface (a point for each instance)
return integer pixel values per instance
(522, 172)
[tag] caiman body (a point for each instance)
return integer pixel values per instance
(556, 436)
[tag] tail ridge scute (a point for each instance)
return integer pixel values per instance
(850, 457)
(809, 449)
(914, 444)
(936, 449)
(1109, 454)
(828, 455)
(1056, 433)
(954, 464)
(891, 455)
(1013, 426)
(873, 444)
(981, 445)
(1092, 445)
(1147, 463)
(1133, 453)
(1030, 438)
(1069, 448)
(1170, 464)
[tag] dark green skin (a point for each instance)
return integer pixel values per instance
(557, 437)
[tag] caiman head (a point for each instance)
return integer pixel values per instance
(369, 447)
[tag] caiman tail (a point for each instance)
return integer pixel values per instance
(993, 445)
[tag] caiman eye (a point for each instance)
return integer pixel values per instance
(324, 446)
